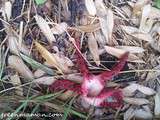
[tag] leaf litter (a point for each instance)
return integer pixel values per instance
(43, 50)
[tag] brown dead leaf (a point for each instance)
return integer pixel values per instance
(89, 28)
(136, 101)
(15, 47)
(131, 49)
(93, 47)
(47, 56)
(119, 52)
(17, 63)
(43, 25)
(47, 80)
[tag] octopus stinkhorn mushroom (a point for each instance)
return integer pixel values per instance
(92, 89)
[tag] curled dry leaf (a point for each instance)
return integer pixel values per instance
(43, 25)
(90, 7)
(136, 101)
(47, 80)
(59, 28)
(157, 104)
(93, 47)
(14, 47)
(119, 52)
(15, 80)
(63, 62)
(7, 10)
(17, 63)
(47, 56)
(129, 90)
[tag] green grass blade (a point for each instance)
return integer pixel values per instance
(37, 65)
(17, 110)
(157, 3)
(33, 111)
(67, 110)
(39, 2)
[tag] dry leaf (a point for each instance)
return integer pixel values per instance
(128, 115)
(142, 114)
(130, 30)
(104, 27)
(15, 48)
(136, 101)
(110, 21)
(74, 77)
(100, 38)
(145, 24)
(59, 28)
(101, 8)
(129, 90)
(135, 32)
(90, 7)
(157, 104)
(63, 62)
(43, 25)
(7, 10)
(20, 33)
(66, 95)
(38, 73)
(88, 28)
(93, 48)
(131, 49)
(17, 63)
(138, 6)
(155, 13)
(119, 52)
(47, 56)
(15, 80)
(145, 90)
(47, 80)
(143, 36)
(107, 23)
